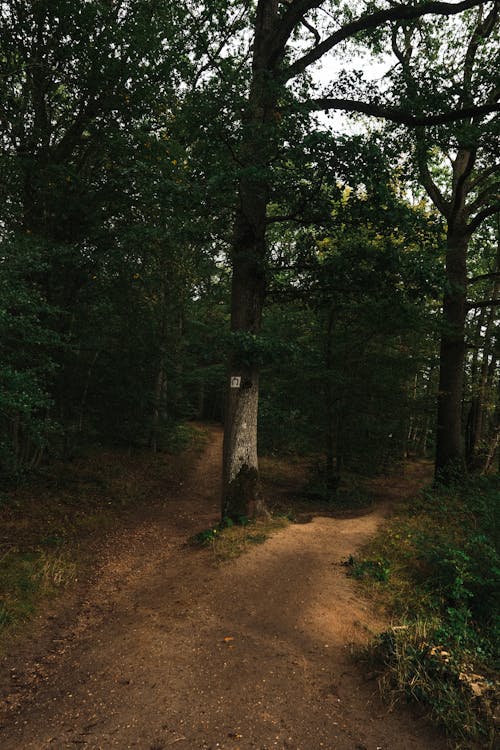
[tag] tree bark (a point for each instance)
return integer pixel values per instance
(272, 31)
(449, 443)
(332, 437)
(241, 496)
(482, 378)
(158, 403)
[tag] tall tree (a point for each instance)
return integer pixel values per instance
(274, 64)
(482, 336)
(93, 183)
(458, 168)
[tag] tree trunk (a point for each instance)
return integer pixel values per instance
(158, 403)
(480, 388)
(449, 443)
(332, 469)
(241, 495)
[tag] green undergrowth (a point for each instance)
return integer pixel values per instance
(345, 494)
(296, 486)
(229, 540)
(436, 567)
(50, 523)
(26, 577)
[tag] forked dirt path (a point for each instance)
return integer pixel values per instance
(168, 651)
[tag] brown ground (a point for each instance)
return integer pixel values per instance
(165, 650)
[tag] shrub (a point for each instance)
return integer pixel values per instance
(442, 558)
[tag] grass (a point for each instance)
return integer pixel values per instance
(49, 523)
(229, 540)
(436, 568)
(28, 577)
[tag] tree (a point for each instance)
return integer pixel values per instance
(482, 337)
(273, 65)
(97, 245)
(458, 167)
(358, 285)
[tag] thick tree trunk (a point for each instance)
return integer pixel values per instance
(241, 494)
(240, 486)
(449, 442)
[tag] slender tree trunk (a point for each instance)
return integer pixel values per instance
(332, 475)
(481, 386)
(83, 400)
(491, 435)
(449, 443)
(159, 398)
(494, 442)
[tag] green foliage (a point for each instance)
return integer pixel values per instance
(377, 570)
(443, 559)
(102, 257)
(261, 350)
(207, 537)
(361, 320)
(29, 347)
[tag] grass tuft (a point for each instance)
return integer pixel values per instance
(229, 540)
(26, 578)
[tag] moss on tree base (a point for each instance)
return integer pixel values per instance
(243, 497)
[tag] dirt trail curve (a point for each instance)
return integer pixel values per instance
(168, 651)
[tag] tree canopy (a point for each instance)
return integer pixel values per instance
(178, 207)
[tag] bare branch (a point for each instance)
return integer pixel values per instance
(293, 16)
(314, 32)
(428, 183)
(462, 170)
(482, 30)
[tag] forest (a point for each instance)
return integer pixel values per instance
(283, 217)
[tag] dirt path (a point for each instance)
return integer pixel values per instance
(168, 651)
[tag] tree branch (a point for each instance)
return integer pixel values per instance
(484, 277)
(293, 16)
(314, 32)
(365, 22)
(493, 169)
(296, 218)
(484, 197)
(481, 216)
(462, 170)
(483, 303)
(400, 116)
(428, 183)
(482, 30)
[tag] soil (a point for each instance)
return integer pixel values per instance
(163, 649)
